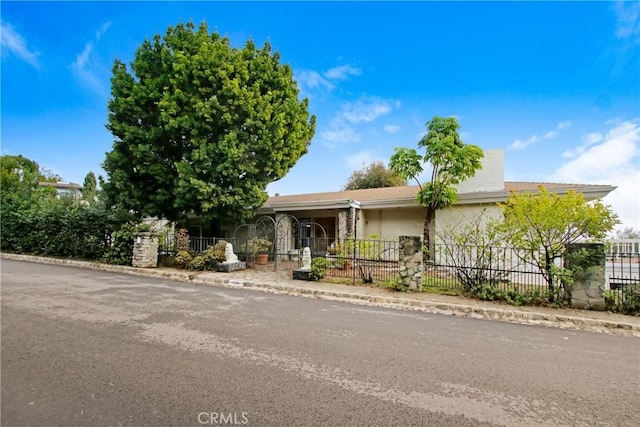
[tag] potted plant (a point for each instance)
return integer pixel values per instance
(345, 255)
(259, 246)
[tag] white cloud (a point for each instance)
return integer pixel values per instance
(14, 43)
(362, 159)
(589, 140)
(520, 144)
(593, 138)
(342, 72)
(627, 20)
(83, 69)
(339, 135)
(312, 79)
(392, 128)
(103, 29)
(367, 109)
(83, 58)
(87, 68)
(610, 159)
(624, 199)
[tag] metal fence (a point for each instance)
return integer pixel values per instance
(356, 260)
(366, 260)
(167, 244)
(622, 274)
(469, 268)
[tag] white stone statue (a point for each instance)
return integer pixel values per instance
(229, 256)
(306, 258)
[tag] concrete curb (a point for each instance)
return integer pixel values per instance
(402, 303)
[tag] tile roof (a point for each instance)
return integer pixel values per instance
(533, 186)
(385, 193)
(410, 192)
(69, 185)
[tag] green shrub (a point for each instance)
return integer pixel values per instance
(183, 259)
(395, 284)
(627, 302)
(318, 268)
(45, 225)
(512, 296)
(204, 261)
(214, 255)
(197, 263)
(121, 250)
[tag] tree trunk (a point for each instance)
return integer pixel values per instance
(547, 267)
(428, 236)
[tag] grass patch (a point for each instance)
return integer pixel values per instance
(442, 291)
(337, 280)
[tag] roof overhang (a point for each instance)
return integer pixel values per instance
(590, 192)
(310, 206)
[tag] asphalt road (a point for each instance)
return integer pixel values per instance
(82, 347)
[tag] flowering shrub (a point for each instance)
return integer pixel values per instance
(259, 245)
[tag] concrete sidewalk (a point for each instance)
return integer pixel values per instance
(281, 283)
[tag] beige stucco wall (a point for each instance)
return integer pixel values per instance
(388, 224)
(458, 215)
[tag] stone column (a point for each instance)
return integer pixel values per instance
(410, 260)
(145, 250)
(587, 261)
(342, 226)
(351, 222)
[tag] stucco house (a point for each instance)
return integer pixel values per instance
(64, 189)
(393, 211)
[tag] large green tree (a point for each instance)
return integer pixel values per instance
(451, 160)
(90, 187)
(543, 224)
(201, 126)
(375, 175)
(19, 178)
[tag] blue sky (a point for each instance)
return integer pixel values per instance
(556, 85)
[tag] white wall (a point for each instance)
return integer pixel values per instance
(490, 177)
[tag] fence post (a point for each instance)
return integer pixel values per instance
(145, 250)
(587, 262)
(410, 260)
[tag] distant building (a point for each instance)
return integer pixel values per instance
(64, 189)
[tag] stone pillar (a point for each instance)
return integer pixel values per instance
(342, 226)
(587, 262)
(352, 222)
(145, 250)
(410, 259)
